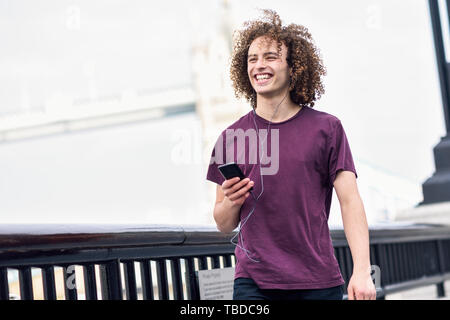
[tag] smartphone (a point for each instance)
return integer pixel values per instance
(231, 170)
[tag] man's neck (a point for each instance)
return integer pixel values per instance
(276, 109)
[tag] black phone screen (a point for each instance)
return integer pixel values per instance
(231, 170)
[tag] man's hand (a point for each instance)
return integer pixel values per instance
(230, 196)
(237, 191)
(361, 287)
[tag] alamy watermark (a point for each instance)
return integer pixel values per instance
(375, 274)
(70, 280)
(234, 145)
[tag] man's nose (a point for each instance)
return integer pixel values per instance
(261, 63)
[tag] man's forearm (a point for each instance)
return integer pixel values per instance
(226, 215)
(357, 233)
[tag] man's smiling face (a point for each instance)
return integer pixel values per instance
(267, 68)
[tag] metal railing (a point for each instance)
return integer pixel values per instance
(160, 262)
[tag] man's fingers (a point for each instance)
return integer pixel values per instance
(360, 295)
(350, 293)
(241, 199)
(240, 193)
(229, 186)
(228, 183)
(236, 187)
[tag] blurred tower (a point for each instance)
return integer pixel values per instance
(216, 104)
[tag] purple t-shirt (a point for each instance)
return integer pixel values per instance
(288, 231)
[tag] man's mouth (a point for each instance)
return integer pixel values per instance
(262, 78)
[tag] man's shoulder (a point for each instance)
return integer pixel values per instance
(322, 115)
(323, 118)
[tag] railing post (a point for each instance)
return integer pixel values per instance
(4, 288)
(163, 285)
(130, 280)
(177, 283)
(191, 281)
(70, 284)
(147, 283)
(48, 279)
(111, 283)
(90, 285)
(26, 284)
(441, 263)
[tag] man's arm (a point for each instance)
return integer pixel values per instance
(229, 198)
(357, 233)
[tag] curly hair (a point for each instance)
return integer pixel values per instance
(302, 57)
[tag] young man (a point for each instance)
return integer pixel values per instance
(284, 249)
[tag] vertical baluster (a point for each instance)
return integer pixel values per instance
(419, 255)
(390, 264)
(70, 285)
(376, 257)
(26, 284)
(395, 263)
(191, 281)
(441, 265)
(203, 263)
(425, 257)
(396, 260)
(381, 249)
(4, 287)
(130, 280)
(216, 261)
(342, 264)
(177, 282)
(146, 278)
(48, 280)
(412, 260)
(446, 248)
(341, 261)
(401, 263)
(110, 280)
(404, 262)
(163, 285)
(90, 286)
(228, 262)
(428, 260)
(377, 248)
(406, 265)
(435, 256)
(373, 258)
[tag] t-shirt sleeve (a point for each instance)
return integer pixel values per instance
(340, 155)
(217, 158)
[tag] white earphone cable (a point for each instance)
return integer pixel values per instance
(255, 199)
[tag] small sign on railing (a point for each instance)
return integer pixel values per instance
(216, 284)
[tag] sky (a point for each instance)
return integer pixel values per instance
(381, 83)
